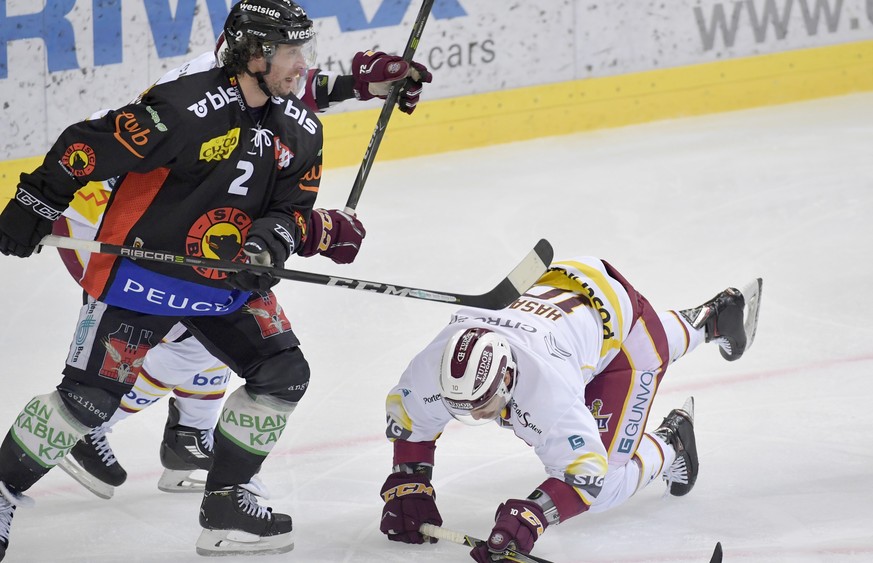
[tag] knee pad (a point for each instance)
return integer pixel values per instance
(46, 429)
(92, 406)
(284, 376)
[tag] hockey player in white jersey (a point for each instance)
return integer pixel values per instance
(180, 364)
(572, 368)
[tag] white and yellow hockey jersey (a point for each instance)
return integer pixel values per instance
(563, 332)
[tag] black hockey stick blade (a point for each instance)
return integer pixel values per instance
(519, 280)
(387, 109)
(464, 539)
(716, 555)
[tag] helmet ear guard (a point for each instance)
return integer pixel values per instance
(474, 370)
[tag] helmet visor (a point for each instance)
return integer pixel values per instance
(306, 51)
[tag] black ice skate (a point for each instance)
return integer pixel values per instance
(722, 318)
(184, 450)
(8, 502)
(235, 524)
(92, 463)
(677, 429)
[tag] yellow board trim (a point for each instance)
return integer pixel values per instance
(582, 105)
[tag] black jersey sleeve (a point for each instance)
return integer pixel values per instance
(134, 138)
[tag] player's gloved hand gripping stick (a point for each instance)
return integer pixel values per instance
(439, 533)
(390, 101)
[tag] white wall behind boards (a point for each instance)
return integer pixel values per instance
(62, 59)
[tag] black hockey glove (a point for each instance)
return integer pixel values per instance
(269, 243)
(24, 222)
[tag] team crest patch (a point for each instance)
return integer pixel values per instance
(218, 234)
(79, 159)
(602, 419)
(269, 314)
(125, 354)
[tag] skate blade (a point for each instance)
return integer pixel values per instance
(688, 407)
(752, 295)
(218, 543)
(96, 486)
(180, 481)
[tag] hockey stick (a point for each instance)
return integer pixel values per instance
(387, 109)
(464, 539)
(519, 280)
(511, 555)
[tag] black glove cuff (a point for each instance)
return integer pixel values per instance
(33, 203)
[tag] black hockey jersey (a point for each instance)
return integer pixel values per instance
(191, 169)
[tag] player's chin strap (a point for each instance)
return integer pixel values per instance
(259, 76)
(267, 49)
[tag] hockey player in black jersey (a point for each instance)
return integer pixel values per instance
(219, 162)
(179, 363)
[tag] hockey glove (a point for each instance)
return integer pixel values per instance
(519, 523)
(375, 71)
(334, 234)
(411, 90)
(410, 501)
(269, 242)
(24, 222)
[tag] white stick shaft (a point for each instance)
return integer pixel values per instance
(71, 243)
(443, 534)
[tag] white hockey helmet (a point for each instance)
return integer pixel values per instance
(472, 375)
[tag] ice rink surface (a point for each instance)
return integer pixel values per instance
(683, 209)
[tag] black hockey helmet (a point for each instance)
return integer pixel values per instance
(268, 21)
(253, 27)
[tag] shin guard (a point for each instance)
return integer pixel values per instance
(249, 427)
(42, 435)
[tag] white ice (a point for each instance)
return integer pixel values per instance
(683, 208)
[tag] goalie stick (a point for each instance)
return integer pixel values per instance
(387, 109)
(510, 554)
(519, 280)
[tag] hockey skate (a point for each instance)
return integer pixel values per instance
(184, 450)
(8, 502)
(722, 319)
(92, 463)
(235, 524)
(677, 430)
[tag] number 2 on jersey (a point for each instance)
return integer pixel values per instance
(237, 187)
